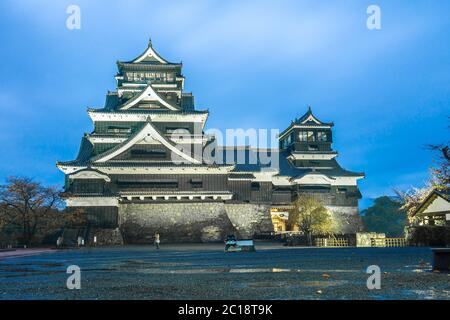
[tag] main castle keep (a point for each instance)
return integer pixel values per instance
(145, 168)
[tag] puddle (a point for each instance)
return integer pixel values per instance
(234, 270)
(293, 284)
(216, 270)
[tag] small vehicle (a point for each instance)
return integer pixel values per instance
(234, 245)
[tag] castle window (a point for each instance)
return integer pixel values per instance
(170, 130)
(146, 154)
(315, 189)
(302, 136)
(196, 183)
(311, 136)
(288, 140)
(322, 136)
(148, 184)
(88, 186)
(255, 186)
(118, 129)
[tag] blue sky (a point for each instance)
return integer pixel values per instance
(254, 64)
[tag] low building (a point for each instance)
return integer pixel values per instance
(434, 209)
(148, 166)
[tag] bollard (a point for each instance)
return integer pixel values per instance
(441, 259)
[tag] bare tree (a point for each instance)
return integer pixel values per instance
(28, 205)
(441, 172)
(412, 199)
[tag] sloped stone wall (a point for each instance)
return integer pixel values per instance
(106, 237)
(175, 222)
(191, 222)
(249, 219)
(210, 221)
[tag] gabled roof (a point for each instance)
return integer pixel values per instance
(435, 195)
(150, 56)
(248, 159)
(308, 119)
(89, 173)
(148, 94)
(148, 130)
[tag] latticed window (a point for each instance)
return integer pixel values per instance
(148, 154)
(118, 129)
(303, 136)
(322, 136)
(196, 183)
(88, 186)
(148, 184)
(255, 186)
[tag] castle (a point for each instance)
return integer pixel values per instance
(143, 169)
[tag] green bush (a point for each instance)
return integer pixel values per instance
(432, 236)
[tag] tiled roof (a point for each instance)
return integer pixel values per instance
(253, 163)
(310, 123)
(138, 111)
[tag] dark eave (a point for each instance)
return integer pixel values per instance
(149, 112)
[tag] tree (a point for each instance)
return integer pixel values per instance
(28, 205)
(311, 217)
(440, 174)
(385, 216)
(439, 180)
(412, 199)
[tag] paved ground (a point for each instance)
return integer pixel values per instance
(206, 272)
(7, 253)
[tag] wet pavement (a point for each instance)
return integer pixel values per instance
(204, 271)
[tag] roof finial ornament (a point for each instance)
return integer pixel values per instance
(150, 42)
(309, 108)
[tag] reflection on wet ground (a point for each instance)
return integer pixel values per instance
(206, 272)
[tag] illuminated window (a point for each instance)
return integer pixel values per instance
(322, 136)
(302, 136)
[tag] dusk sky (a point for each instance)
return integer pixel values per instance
(253, 64)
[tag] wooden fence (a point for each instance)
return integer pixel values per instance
(388, 242)
(331, 242)
(375, 242)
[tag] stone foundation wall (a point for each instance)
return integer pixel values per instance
(249, 219)
(106, 237)
(347, 219)
(192, 222)
(210, 221)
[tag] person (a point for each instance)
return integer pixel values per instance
(80, 241)
(157, 240)
(59, 241)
